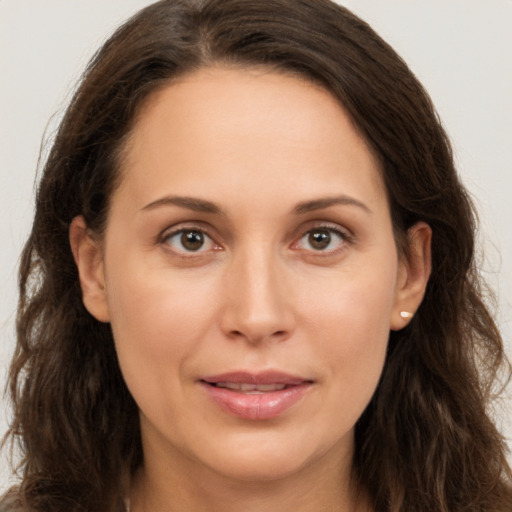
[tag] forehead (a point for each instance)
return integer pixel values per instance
(227, 126)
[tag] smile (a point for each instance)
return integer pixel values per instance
(260, 396)
(250, 388)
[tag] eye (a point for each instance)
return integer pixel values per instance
(322, 239)
(190, 240)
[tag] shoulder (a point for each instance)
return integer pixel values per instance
(10, 502)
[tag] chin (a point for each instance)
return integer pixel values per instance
(263, 461)
(260, 469)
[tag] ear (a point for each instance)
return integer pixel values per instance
(88, 255)
(413, 274)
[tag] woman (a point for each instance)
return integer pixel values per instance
(250, 280)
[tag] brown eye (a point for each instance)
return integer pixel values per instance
(319, 239)
(189, 240)
(322, 239)
(192, 240)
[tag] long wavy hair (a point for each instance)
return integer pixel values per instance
(426, 441)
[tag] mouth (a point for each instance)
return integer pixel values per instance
(258, 396)
(244, 387)
(259, 379)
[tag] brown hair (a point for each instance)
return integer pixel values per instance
(425, 442)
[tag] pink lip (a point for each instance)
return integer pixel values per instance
(256, 406)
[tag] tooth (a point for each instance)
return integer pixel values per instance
(270, 387)
(250, 388)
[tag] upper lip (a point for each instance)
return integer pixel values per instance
(265, 377)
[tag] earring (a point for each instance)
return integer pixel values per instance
(405, 314)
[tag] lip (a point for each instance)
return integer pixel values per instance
(256, 405)
(266, 377)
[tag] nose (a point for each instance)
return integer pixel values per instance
(257, 300)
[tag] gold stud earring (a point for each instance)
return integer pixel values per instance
(405, 314)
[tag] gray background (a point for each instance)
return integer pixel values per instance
(460, 49)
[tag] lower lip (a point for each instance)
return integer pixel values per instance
(257, 406)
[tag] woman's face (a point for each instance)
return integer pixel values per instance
(250, 274)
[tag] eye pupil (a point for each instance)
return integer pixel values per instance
(192, 240)
(319, 239)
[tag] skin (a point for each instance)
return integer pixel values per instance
(257, 295)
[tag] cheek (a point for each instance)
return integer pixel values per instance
(352, 324)
(158, 321)
(356, 303)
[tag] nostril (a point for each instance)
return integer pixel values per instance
(256, 337)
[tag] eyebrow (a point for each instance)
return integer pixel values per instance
(204, 206)
(190, 203)
(326, 202)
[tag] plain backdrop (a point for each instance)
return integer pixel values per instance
(461, 50)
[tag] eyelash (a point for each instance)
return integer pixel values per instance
(166, 237)
(344, 237)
